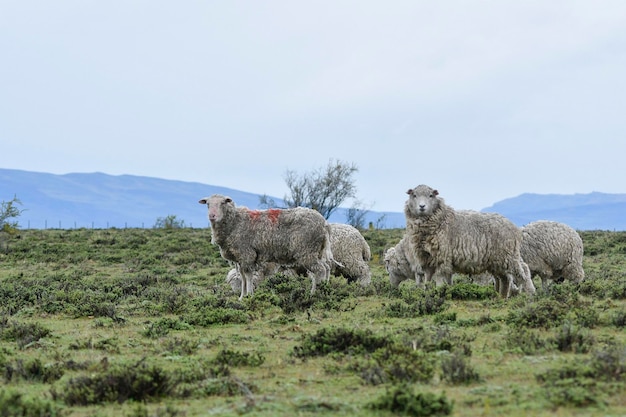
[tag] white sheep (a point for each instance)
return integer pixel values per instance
(351, 255)
(297, 237)
(464, 241)
(401, 263)
(554, 251)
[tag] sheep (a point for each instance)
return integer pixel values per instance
(297, 237)
(401, 263)
(464, 241)
(554, 251)
(350, 252)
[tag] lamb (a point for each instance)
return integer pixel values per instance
(554, 251)
(297, 237)
(401, 263)
(350, 252)
(464, 241)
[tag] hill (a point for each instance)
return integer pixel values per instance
(593, 211)
(97, 200)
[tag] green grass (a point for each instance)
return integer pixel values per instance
(134, 322)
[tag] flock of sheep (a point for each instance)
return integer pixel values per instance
(438, 242)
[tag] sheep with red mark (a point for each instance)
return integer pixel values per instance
(464, 241)
(297, 238)
(351, 256)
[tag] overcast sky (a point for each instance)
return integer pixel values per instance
(483, 100)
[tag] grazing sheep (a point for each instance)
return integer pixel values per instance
(297, 237)
(554, 251)
(469, 242)
(351, 255)
(401, 263)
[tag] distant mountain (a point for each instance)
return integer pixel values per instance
(98, 200)
(593, 211)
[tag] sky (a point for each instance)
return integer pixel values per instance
(482, 100)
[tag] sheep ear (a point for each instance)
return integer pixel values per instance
(435, 192)
(410, 192)
(203, 201)
(228, 200)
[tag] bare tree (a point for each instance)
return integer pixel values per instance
(323, 189)
(356, 215)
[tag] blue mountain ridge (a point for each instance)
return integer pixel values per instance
(98, 200)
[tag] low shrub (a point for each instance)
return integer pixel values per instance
(119, 383)
(402, 399)
(339, 340)
(235, 358)
(526, 341)
(23, 333)
(395, 363)
(31, 370)
(456, 369)
(13, 403)
(545, 313)
(570, 338)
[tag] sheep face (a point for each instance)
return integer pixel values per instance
(217, 204)
(422, 202)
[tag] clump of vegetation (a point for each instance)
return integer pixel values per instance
(437, 339)
(169, 222)
(162, 327)
(339, 340)
(395, 363)
(618, 319)
(471, 291)
(526, 341)
(456, 369)
(23, 333)
(570, 338)
(402, 399)
(585, 383)
(235, 358)
(119, 383)
(212, 310)
(416, 302)
(8, 226)
(544, 312)
(31, 370)
(180, 346)
(13, 403)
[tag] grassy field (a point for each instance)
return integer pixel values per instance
(140, 322)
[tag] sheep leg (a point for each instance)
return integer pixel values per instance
(247, 282)
(503, 285)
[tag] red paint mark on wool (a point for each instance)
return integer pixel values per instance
(254, 214)
(273, 214)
